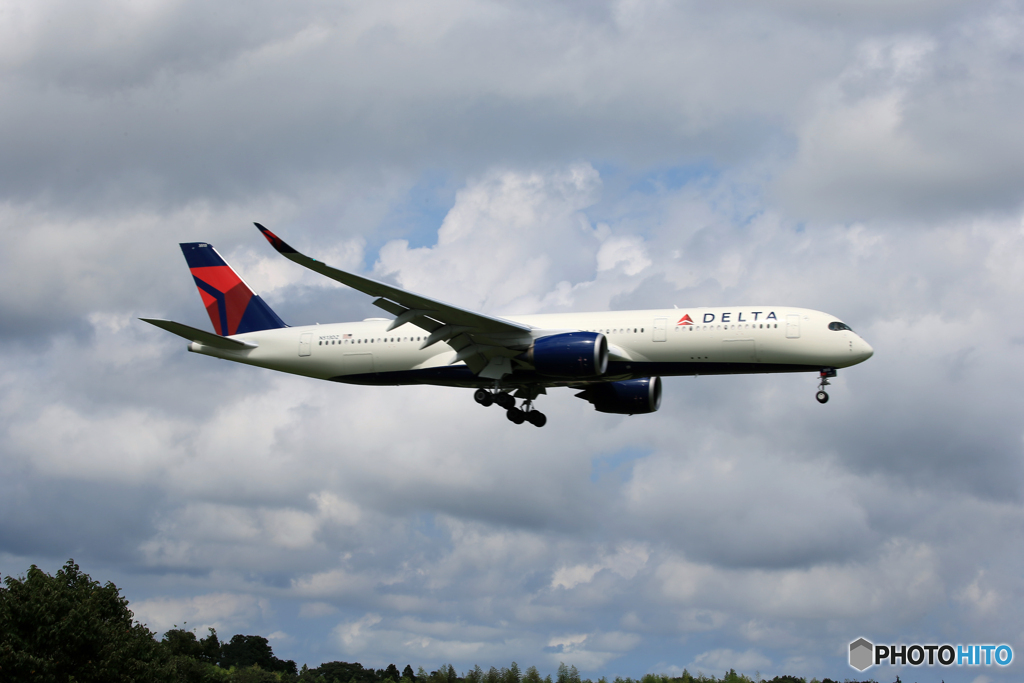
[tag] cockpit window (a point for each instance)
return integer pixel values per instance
(839, 326)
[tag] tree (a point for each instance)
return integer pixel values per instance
(185, 669)
(245, 651)
(732, 677)
(446, 674)
(345, 672)
(568, 674)
(408, 673)
(252, 674)
(532, 675)
(475, 675)
(184, 643)
(68, 626)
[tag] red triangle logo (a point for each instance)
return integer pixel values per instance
(685, 320)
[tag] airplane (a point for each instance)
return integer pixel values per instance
(615, 359)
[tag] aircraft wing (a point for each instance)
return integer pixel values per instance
(486, 344)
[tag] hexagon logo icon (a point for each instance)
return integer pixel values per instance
(861, 652)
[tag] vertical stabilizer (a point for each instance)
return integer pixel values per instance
(233, 307)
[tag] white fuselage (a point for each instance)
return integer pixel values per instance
(695, 341)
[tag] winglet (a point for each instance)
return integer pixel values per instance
(275, 241)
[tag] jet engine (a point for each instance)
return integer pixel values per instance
(628, 397)
(572, 355)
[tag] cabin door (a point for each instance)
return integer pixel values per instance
(660, 329)
(792, 327)
(306, 343)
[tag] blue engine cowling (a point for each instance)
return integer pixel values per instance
(628, 397)
(572, 355)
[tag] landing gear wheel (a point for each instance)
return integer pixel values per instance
(823, 376)
(504, 400)
(536, 418)
(516, 416)
(483, 397)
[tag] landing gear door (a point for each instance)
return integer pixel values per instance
(792, 327)
(660, 329)
(305, 343)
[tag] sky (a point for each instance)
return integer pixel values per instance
(861, 158)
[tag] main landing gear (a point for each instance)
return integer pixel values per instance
(822, 396)
(526, 413)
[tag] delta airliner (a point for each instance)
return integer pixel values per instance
(614, 359)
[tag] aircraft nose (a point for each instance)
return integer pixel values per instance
(863, 350)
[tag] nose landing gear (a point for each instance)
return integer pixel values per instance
(822, 396)
(526, 413)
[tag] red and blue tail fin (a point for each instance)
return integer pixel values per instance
(233, 307)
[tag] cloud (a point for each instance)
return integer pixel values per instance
(352, 636)
(540, 212)
(626, 563)
(890, 136)
(313, 610)
(216, 610)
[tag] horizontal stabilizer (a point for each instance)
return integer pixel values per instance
(201, 336)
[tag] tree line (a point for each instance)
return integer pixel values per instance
(69, 628)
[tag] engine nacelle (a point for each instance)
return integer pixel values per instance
(628, 397)
(572, 355)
